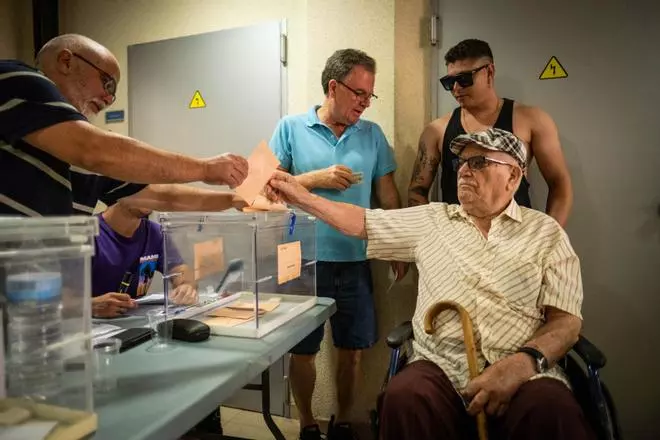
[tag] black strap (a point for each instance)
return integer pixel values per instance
(449, 177)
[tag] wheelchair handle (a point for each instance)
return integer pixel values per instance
(470, 347)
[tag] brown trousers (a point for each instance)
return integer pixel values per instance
(421, 404)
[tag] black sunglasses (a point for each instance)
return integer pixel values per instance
(464, 79)
(109, 83)
(359, 94)
(476, 163)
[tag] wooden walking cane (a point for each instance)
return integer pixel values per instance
(470, 347)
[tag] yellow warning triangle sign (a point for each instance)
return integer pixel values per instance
(197, 101)
(553, 70)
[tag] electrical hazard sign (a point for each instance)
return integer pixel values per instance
(553, 70)
(197, 101)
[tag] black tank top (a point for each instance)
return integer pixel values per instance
(449, 177)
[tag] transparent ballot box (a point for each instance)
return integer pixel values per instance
(45, 288)
(253, 271)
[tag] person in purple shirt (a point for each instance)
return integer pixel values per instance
(128, 242)
(129, 249)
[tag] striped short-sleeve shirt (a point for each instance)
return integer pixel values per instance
(504, 281)
(33, 182)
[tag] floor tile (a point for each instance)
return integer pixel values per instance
(254, 432)
(227, 414)
(249, 418)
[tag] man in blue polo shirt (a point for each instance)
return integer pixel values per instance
(339, 156)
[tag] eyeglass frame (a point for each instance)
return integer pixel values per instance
(465, 74)
(108, 81)
(459, 162)
(359, 94)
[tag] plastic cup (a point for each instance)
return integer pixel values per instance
(161, 334)
(105, 375)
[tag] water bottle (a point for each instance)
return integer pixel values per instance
(34, 317)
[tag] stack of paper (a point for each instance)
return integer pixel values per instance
(104, 330)
(153, 299)
(240, 312)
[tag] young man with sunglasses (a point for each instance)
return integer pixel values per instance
(54, 162)
(339, 156)
(471, 80)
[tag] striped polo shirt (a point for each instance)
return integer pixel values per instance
(33, 182)
(503, 281)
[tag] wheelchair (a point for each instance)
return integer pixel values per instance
(581, 364)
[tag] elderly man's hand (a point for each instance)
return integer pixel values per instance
(184, 294)
(493, 389)
(283, 187)
(226, 169)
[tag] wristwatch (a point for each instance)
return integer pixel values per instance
(541, 361)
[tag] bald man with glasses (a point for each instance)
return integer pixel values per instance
(53, 161)
(109, 83)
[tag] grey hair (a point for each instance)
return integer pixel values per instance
(340, 64)
(72, 42)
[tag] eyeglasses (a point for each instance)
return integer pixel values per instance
(464, 79)
(360, 94)
(109, 83)
(476, 163)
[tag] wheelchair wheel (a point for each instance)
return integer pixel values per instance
(373, 422)
(614, 427)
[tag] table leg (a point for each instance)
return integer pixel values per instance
(264, 387)
(265, 406)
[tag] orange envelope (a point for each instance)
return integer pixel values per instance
(262, 164)
(226, 312)
(289, 261)
(208, 257)
(261, 203)
(225, 322)
(264, 306)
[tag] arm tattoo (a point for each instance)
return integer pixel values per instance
(423, 174)
(421, 156)
(424, 164)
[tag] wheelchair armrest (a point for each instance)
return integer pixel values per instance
(397, 337)
(589, 353)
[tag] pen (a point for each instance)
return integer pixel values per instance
(175, 310)
(125, 282)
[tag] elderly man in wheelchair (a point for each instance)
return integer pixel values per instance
(515, 281)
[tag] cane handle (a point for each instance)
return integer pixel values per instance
(470, 347)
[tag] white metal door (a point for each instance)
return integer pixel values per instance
(209, 94)
(606, 111)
